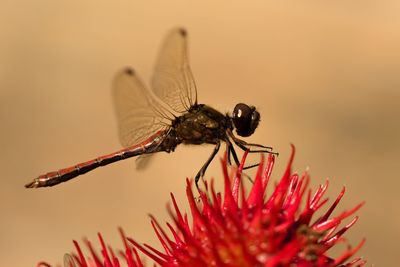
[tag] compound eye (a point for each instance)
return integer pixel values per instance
(245, 118)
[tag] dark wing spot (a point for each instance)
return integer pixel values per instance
(182, 32)
(129, 71)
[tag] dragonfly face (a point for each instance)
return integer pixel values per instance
(245, 119)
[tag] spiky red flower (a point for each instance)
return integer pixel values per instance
(252, 230)
(108, 257)
(242, 229)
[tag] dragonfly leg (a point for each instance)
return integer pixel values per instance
(203, 169)
(230, 146)
(255, 145)
(250, 147)
(228, 151)
(231, 149)
(251, 166)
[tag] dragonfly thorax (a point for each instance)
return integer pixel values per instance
(202, 124)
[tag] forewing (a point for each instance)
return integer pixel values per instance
(139, 115)
(173, 80)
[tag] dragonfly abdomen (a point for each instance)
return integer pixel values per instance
(56, 177)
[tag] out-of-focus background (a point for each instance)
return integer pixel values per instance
(324, 75)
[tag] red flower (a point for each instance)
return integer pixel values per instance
(242, 229)
(107, 259)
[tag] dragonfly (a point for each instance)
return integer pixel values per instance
(169, 115)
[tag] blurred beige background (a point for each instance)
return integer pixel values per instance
(325, 76)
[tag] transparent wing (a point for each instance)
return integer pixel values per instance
(143, 161)
(139, 114)
(173, 80)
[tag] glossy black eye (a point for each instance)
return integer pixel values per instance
(246, 119)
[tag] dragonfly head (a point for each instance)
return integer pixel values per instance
(245, 119)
